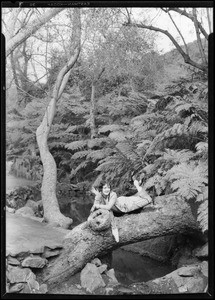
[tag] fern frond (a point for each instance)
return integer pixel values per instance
(177, 156)
(198, 127)
(110, 127)
(202, 217)
(97, 142)
(82, 165)
(117, 136)
(183, 107)
(80, 154)
(99, 154)
(76, 145)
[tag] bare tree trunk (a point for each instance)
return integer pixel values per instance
(93, 105)
(31, 29)
(83, 244)
(204, 60)
(92, 112)
(52, 212)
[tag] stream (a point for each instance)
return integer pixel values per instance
(129, 267)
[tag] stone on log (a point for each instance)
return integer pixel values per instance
(91, 278)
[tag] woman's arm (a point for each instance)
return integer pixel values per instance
(112, 201)
(97, 199)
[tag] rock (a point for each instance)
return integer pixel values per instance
(26, 289)
(16, 274)
(204, 268)
(102, 268)
(10, 210)
(188, 271)
(34, 262)
(32, 204)
(202, 252)
(112, 278)
(91, 279)
(49, 253)
(96, 261)
(195, 285)
(15, 288)
(13, 261)
(43, 289)
(184, 280)
(25, 211)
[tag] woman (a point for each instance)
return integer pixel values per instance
(107, 199)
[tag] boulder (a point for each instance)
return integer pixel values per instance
(202, 252)
(10, 210)
(15, 288)
(16, 274)
(13, 261)
(112, 278)
(102, 268)
(34, 262)
(32, 204)
(204, 268)
(187, 279)
(50, 253)
(91, 278)
(25, 211)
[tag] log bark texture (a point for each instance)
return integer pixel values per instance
(83, 244)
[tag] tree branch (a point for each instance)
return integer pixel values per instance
(31, 29)
(186, 57)
(191, 17)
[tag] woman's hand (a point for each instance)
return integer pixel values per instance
(94, 191)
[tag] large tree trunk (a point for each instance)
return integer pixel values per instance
(52, 212)
(83, 243)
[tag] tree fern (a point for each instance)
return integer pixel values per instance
(188, 180)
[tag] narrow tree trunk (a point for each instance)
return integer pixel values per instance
(83, 244)
(52, 212)
(92, 112)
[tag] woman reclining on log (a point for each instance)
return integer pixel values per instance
(107, 199)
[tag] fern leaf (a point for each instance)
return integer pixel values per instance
(202, 217)
(97, 142)
(76, 145)
(80, 154)
(111, 127)
(202, 147)
(118, 136)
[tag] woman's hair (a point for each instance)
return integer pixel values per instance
(102, 183)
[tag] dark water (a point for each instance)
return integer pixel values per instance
(131, 267)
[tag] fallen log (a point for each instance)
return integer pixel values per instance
(83, 243)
